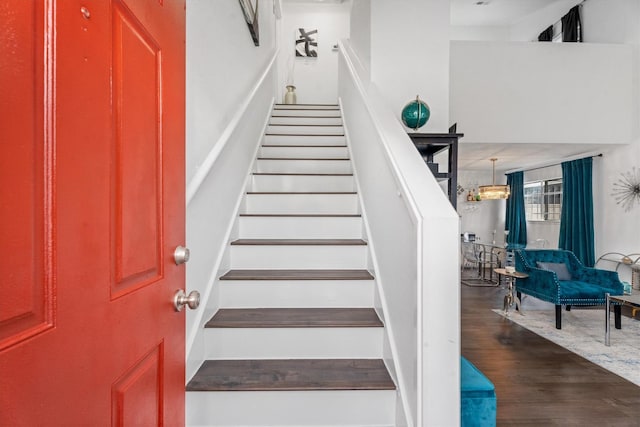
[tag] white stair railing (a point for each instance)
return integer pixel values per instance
(414, 235)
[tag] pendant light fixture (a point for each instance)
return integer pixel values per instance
(493, 191)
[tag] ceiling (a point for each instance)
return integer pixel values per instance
(493, 12)
(475, 156)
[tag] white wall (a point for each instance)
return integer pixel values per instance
(222, 67)
(485, 33)
(410, 55)
(360, 38)
(230, 89)
(611, 22)
(616, 229)
(316, 79)
(483, 217)
(519, 92)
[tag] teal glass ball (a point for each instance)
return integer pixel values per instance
(415, 114)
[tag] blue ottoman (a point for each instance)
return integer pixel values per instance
(478, 397)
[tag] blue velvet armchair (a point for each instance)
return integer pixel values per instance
(557, 276)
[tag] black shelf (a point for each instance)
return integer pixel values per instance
(430, 144)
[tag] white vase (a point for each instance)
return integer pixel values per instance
(290, 95)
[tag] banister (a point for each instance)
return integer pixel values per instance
(415, 246)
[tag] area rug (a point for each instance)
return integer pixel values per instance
(583, 333)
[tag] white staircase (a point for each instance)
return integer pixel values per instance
(296, 342)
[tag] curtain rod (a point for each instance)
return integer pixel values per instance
(552, 164)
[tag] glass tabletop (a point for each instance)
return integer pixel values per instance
(633, 300)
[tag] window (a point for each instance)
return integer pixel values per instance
(543, 200)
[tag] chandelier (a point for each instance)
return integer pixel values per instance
(493, 191)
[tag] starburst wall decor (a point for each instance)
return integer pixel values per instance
(626, 190)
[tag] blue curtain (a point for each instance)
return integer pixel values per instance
(576, 222)
(515, 220)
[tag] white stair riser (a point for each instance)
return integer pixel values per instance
(305, 130)
(301, 203)
(296, 293)
(293, 343)
(312, 107)
(291, 408)
(303, 140)
(300, 227)
(281, 183)
(305, 152)
(298, 257)
(303, 166)
(298, 112)
(308, 120)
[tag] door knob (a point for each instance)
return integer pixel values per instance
(181, 255)
(181, 299)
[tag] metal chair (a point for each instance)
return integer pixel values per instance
(480, 257)
(488, 260)
(470, 258)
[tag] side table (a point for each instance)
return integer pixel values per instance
(510, 298)
(631, 300)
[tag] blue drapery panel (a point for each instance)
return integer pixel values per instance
(576, 222)
(515, 220)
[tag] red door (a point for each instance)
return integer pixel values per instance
(91, 211)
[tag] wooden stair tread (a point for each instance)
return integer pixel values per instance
(299, 242)
(291, 374)
(304, 124)
(277, 107)
(297, 275)
(289, 116)
(304, 134)
(304, 146)
(305, 158)
(302, 192)
(318, 104)
(295, 318)
(302, 215)
(301, 174)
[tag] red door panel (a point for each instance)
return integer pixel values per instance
(92, 181)
(26, 299)
(138, 150)
(136, 398)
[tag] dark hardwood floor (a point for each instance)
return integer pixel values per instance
(539, 383)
